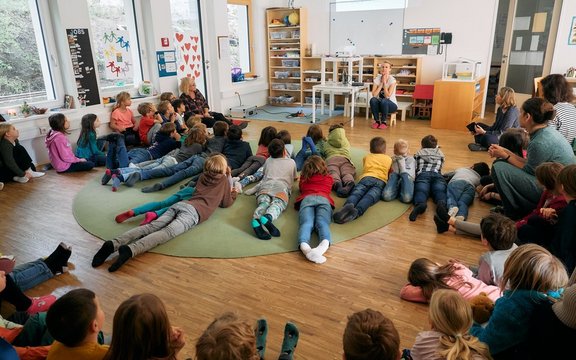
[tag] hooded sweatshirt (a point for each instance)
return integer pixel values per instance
(212, 191)
(337, 144)
(60, 151)
(429, 159)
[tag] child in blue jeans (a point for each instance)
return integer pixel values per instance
(429, 179)
(312, 144)
(462, 189)
(400, 183)
(315, 208)
(369, 189)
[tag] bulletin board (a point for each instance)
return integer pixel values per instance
(376, 32)
(417, 40)
(83, 65)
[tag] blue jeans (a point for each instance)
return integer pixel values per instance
(192, 166)
(28, 275)
(461, 194)
(315, 213)
(381, 107)
(366, 193)
(138, 155)
(117, 156)
(308, 149)
(399, 186)
(429, 183)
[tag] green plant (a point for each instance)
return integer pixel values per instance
(25, 109)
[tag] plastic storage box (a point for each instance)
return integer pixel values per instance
(282, 74)
(290, 63)
(292, 86)
(278, 86)
(277, 35)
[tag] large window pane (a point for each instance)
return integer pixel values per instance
(239, 35)
(24, 74)
(115, 38)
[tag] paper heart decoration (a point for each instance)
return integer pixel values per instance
(194, 47)
(181, 67)
(196, 73)
(195, 38)
(186, 58)
(193, 57)
(187, 45)
(179, 37)
(183, 48)
(192, 66)
(198, 57)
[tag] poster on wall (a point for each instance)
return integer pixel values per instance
(189, 56)
(83, 66)
(572, 32)
(117, 55)
(418, 40)
(166, 61)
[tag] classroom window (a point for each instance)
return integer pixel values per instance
(115, 38)
(239, 26)
(368, 5)
(24, 71)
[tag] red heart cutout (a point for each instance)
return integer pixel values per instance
(198, 57)
(195, 48)
(181, 67)
(186, 57)
(196, 73)
(193, 57)
(187, 45)
(182, 47)
(195, 38)
(179, 37)
(192, 66)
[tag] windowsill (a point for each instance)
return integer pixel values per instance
(245, 87)
(17, 120)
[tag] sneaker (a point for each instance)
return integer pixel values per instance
(41, 304)
(1, 185)
(383, 126)
(453, 211)
(374, 125)
(36, 174)
(476, 147)
(20, 179)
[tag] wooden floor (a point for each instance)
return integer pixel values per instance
(366, 272)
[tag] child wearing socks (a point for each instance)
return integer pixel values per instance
(213, 190)
(255, 162)
(60, 151)
(429, 180)
(312, 144)
(369, 189)
(273, 192)
(15, 162)
(400, 183)
(337, 155)
(315, 208)
(461, 189)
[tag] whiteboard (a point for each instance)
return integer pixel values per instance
(376, 32)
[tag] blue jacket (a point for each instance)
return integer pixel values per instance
(510, 321)
(89, 149)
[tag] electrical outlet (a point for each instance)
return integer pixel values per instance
(44, 130)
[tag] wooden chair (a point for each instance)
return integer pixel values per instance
(538, 87)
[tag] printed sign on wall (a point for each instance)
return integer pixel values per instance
(166, 61)
(83, 65)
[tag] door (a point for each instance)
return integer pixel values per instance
(528, 44)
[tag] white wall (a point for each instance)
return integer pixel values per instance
(564, 54)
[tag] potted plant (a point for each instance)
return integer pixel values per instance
(25, 109)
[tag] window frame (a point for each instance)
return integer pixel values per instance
(248, 4)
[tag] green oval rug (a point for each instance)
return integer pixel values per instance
(227, 234)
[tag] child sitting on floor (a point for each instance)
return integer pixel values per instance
(273, 191)
(212, 191)
(314, 207)
(429, 179)
(369, 189)
(450, 319)
(216, 143)
(60, 151)
(87, 146)
(255, 162)
(122, 119)
(340, 166)
(401, 180)
(150, 122)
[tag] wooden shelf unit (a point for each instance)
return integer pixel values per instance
(286, 46)
(457, 103)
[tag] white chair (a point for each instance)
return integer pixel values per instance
(362, 101)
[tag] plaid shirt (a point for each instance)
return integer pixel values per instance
(429, 160)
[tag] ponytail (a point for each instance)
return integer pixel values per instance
(462, 347)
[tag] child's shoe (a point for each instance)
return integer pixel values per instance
(383, 126)
(375, 125)
(115, 182)
(41, 304)
(20, 179)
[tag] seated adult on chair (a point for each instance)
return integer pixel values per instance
(506, 117)
(383, 100)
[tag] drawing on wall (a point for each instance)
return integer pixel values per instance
(189, 56)
(83, 66)
(572, 32)
(117, 55)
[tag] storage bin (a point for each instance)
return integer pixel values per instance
(286, 99)
(296, 34)
(292, 86)
(295, 73)
(308, 100)
(281, 74)
(277, 35)
(278, 86)
(290, 63)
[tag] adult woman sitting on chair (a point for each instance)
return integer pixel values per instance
(506, 117)
(558, 92)
(383, 100)
(195, 102)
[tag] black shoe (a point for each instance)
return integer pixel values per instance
(106, 250)
(124, 254)
(476, 147)
(441, 225)
(418, 209)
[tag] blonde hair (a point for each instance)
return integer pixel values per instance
(4, 128)
(401, 147)
(144, 108)
(451, 315)
(120, 98)
(531, 267)
(508, 97)
(166, 96)
(163, 106)
(312, 166)
(216, 164)
(185, 84)
(227, 338)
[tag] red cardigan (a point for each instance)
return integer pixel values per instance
(556, 202)
(320, 185)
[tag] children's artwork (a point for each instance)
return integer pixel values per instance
(117, 55)
(418, 41)
(189, 56)
(572, 32)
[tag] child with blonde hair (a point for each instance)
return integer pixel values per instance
(400, 183)
(450, 318)
(532, 277)
(314, 207)
(212, 191)
(122, 119)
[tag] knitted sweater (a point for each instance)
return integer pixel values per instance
(212, 191)
(7, 158)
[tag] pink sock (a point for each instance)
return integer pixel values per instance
(124, 216)
(149, 217)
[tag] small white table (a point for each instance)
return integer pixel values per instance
(336, 88)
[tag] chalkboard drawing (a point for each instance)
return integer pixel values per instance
(117, 55)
